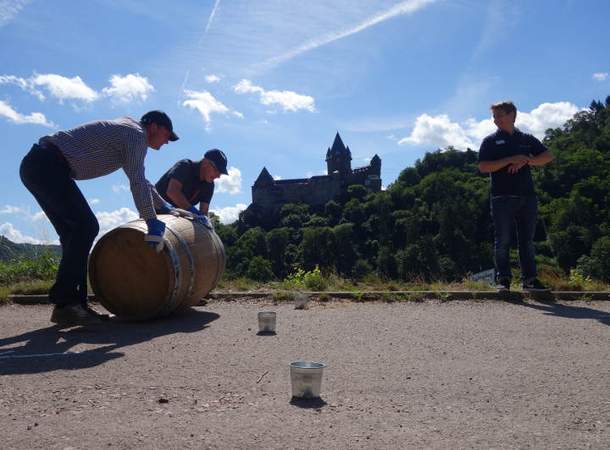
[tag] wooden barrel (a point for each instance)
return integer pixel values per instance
(133, 281)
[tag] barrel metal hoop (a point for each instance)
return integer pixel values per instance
(171, 305)
(191, 261)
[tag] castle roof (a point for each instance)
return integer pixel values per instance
(264, 178)
(338, 148)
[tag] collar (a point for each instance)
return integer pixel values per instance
(503, 134)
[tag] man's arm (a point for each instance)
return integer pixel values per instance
(174, 192)
(204, 208)
(494, 166)
(541, 159)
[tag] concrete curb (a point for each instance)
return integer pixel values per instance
(388, 296)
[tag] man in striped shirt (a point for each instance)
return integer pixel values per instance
(89, 151)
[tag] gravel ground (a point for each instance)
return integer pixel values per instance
(462, 374)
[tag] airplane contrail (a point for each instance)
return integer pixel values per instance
(405, 7)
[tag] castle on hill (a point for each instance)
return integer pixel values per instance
(269, 195)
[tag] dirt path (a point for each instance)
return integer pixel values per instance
(411, 375)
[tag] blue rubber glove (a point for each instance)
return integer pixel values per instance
(154, 238)
(201, 218)
(165, 209)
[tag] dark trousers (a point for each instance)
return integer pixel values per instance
(510, 212)
(46, 174)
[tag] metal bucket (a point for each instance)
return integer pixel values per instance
(306, 379)
(266, 322)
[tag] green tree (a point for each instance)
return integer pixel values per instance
(318, 248)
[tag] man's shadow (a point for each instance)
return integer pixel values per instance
(572, 312)
(48, 349)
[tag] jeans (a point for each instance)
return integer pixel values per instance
(46, 174)
(508, 212)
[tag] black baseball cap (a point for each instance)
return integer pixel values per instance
(161, 119)
(218, 158)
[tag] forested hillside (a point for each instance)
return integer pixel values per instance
(434, 222)
(10, 251)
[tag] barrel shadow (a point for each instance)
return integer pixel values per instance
(48, 349)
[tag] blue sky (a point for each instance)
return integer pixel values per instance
(271, 81)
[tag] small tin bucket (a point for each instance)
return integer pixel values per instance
(306, 379)
(266, 322)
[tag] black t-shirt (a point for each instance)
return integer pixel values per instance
(194, 189)
(501, 145)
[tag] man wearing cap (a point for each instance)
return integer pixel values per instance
(89, 151)
(189, 183)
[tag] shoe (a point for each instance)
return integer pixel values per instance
(77, 314)
(503, 285)
(534, 285)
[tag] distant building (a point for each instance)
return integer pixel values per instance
(269, 195)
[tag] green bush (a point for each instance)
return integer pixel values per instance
(301, 279)
(43, 267)
(259, 269)
(361, 269)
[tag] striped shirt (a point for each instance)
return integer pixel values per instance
(98, 148)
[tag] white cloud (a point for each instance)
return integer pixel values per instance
(212, 78)
(13, 234)
(600, 76)
(230, 183)
(125, 89)
(10, 209)
(40, 215)
(94, 201)
(277, 177)
(64, 88)
(18, 210)
(118, 188)
(404, 7)
(9, 9)
(545, 116)
(229, 214)
(440, 131)
(36, 118)
(25, 84)
(205, 104)
(437, 131)
(288, 100)
(111, 219)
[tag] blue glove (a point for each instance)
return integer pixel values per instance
(165, 209)
(154, 238)
(201, 218)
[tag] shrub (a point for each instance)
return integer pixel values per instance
(259, 269)
(312, 280)
(361, 269)
(43, 267)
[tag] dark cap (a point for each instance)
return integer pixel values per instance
(218, 158)
(161, 119)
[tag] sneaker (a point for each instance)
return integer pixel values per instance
(77, 314)
(534, 285)
(503, 285)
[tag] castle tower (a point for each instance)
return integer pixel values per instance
(339, 158)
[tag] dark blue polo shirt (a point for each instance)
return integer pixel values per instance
(194, 189)
(501, 145)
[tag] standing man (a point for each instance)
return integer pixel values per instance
(89, 151)
(189, 183)
(507, 155)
